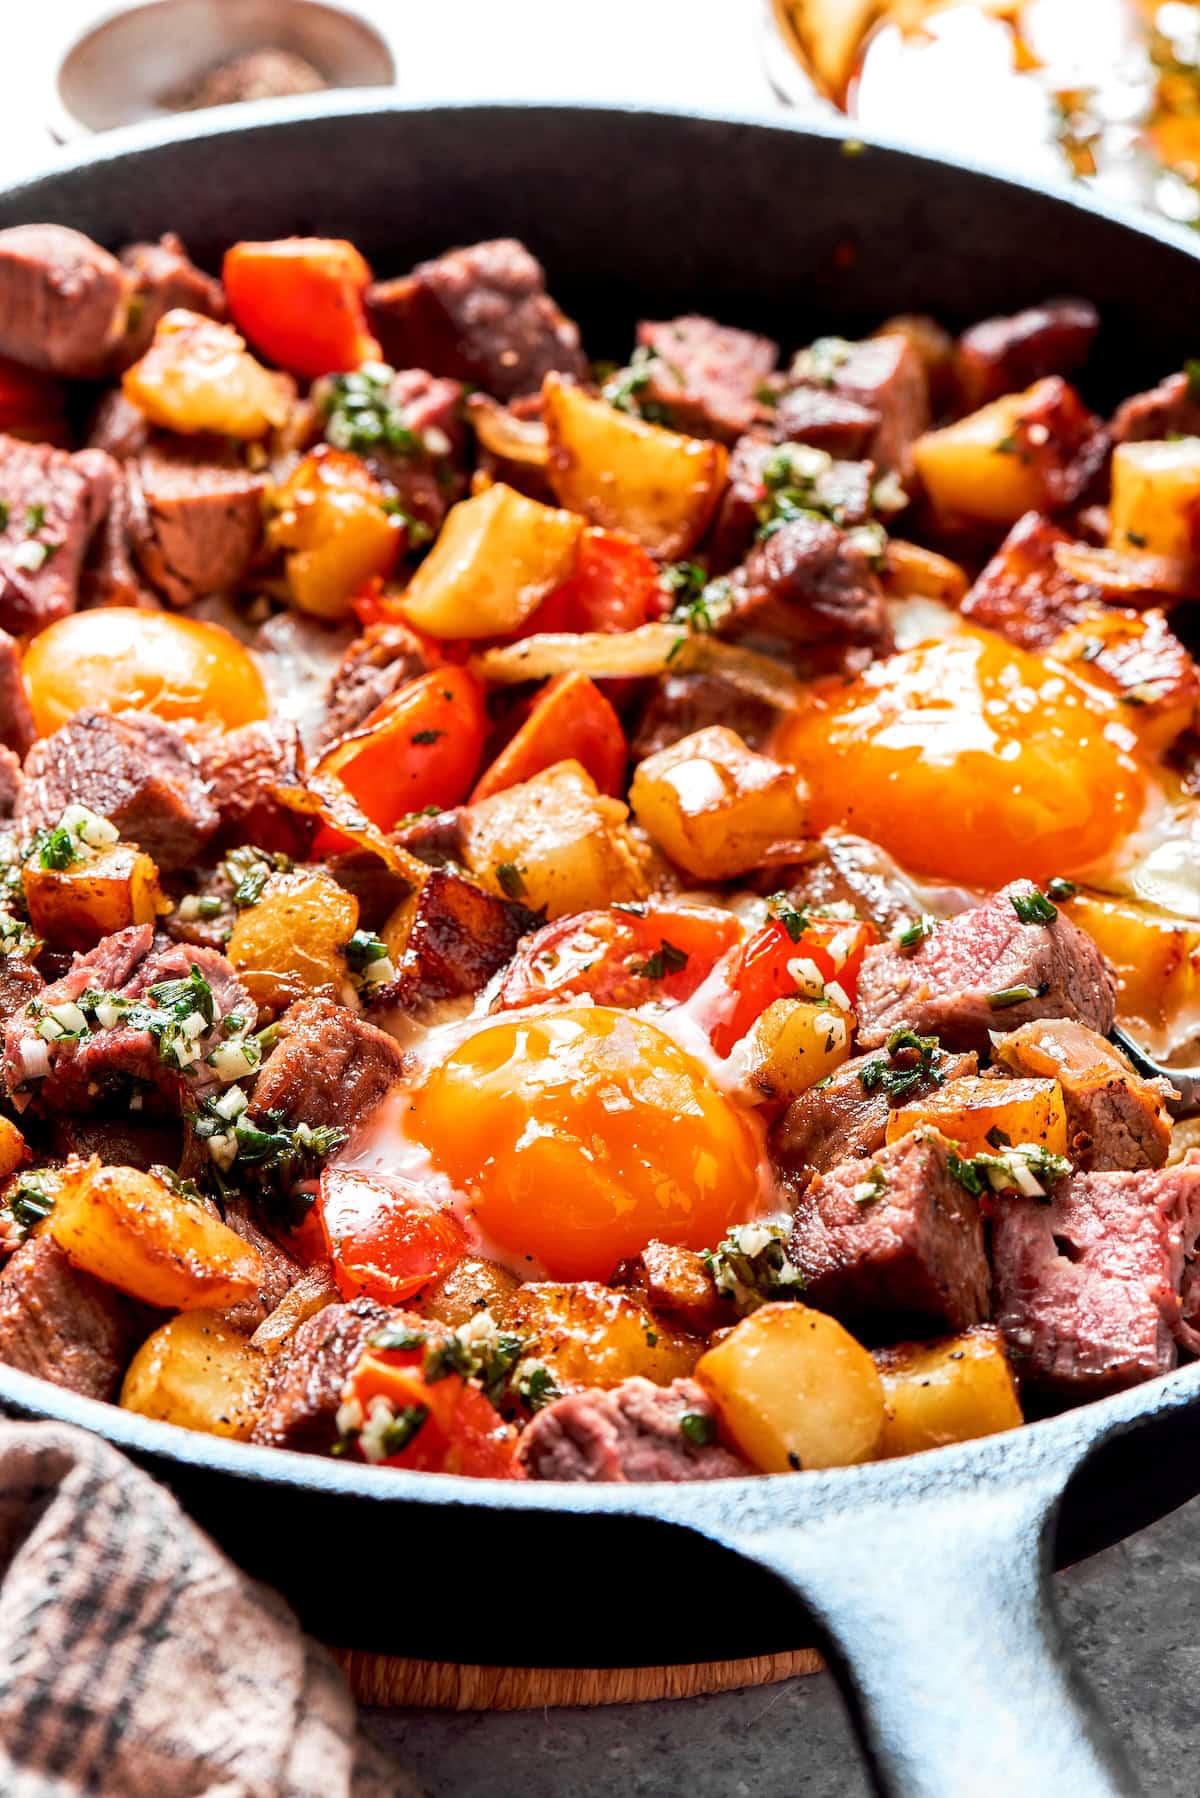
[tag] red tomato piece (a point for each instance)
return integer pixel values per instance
(620, 958)
(764, 968)
(454, 1429)
(570, 718)
(615, 586)
(420, 747)
(300, 301)
(384, 1239)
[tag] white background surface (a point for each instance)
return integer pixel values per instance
(702, 53)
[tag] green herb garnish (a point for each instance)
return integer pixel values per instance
(1033, 908)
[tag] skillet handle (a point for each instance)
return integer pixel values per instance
(942, 1629)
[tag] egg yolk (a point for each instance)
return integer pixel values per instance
(580, 1134)
(118, 657)
(971, 760)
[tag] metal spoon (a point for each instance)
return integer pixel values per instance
(1186, 1081)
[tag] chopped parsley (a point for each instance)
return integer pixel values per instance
(908, 1061)
(535, 1384)
(914, 934)
(3, 514)
(794, 918)
(426, 736)
(751, 1266)
(667, 959)
(511, 879)
(30, 1198)
(56, 848)
(1013, 995)
(360, 414)
(395, 1436)
(397, 1336)
(685, 582)
(698, 1427)
(1060, 889)
(1023, 1168)
(364, 950)
(1191, 369)
(1033, 908)
(624, 389)
(871, 1187)
(248, 871)
(820, 364)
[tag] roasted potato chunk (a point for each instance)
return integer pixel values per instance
(947, 1391)
(292, 941)
(795, 1043)
(1157, 961)
(1030, 451)
(73, 907)
(981, 1115)
(198, 375)
(470, 1286)
(717, 808)
(495, 560)
(556, 843)
(12, 1148)
(450, 937)
(627, 475)
(589, 1335)
(1155, 503)
(1139, 658)
(331, 519)
(129, 1229)
(197, 1372)
(794, 1390)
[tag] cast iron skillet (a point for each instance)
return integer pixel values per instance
(926, 1580)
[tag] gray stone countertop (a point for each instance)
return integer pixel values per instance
(1131, 1614)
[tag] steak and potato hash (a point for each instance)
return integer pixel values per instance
(564, 920)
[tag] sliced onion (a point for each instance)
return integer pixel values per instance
(514, 439)
(325, 797)
(1136, 577)
(649, 650)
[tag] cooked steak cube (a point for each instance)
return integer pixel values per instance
(883, 374)
(64, 301)
(1022, 592)
(16, 718)
(132, 768)
(628, 1433)
(1087, 1285)
(163, 277)
(1115, 1119)
(676, 1281)
(374, 667)
(850, 871)
(242, 768)
(52, 503)
(109, 577)
(459, 937)
(429, 477)
(305, 1389)
(1002, 355)
(196, 517)
(1171, 409)
(894, 1245)
(98, 1065)
(60, 1323)
(118, 426)
(826, 420)
(680, 704)
(842, 491)
(479, 314)
(329, 1067)
(985, 970)
(845, 1117)
(10, 782)
(119, 1141)
(280, 1272)
(19, 983)
(705, 376)
(808, 584)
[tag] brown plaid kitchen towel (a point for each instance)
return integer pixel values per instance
(136, 1660)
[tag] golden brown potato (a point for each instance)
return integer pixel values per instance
(947, 1391)
(497, 557)
(291, 942)
(1139, 658)
(570, 844)
(1085, 1065)
(1156, 956)
(981, 1115)
(471, 1285)
(590, 1335)
(794, 1390)
(627, 475)
(72, 908)
(197, 1372)
(1155, 503)
(331, 519)
(795, 1043)
(12, 1148)
(970, 470)
(717, 808)
(129, 1229)
(198, 375)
